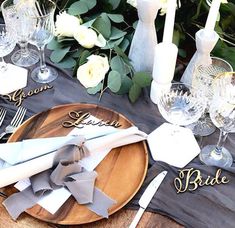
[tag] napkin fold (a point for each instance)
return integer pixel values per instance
(27, 165)
(67, 173)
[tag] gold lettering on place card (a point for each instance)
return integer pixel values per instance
(19, 95)
(80, 119)
(191, 179)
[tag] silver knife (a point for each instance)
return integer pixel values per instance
(147, 196)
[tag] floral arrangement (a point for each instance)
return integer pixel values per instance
(95, 42)
(93, 37)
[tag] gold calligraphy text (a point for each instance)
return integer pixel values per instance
(81, 118)
(191, 179)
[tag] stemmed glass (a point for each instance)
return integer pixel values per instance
(7, 44)
(14, 14)
(181, 104)
(222, 113)
(202, 80)
(43, 31)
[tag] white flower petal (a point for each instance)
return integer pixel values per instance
(93, 72)
(86, 37)
(101, 41)
(66, 24)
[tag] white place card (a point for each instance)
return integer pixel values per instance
(174, 145)
(12, 79)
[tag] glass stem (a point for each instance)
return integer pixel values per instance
(43, 67)
(3, 65)
(24, 48)
(222, 138)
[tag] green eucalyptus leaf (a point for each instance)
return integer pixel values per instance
(114, 81)
(120, 52)
(102, 26)
(124, 44)
(125, 86)
(119, 65)
(96, 89)
(116, 64)
(112, 43)
(77, 53)
(78, 8)
(83, 57)
(176, 37)
(223, 51)
(134, 92)
(142, 79)
(117, 18)
(135, 24)
(116, 33)
(67, 62)
(114, 3)
(89, 23)
(182, 53)
(90, 3)
(58, 54)
(54, 44)
(105, 17)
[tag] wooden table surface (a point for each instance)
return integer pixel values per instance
(121, 219)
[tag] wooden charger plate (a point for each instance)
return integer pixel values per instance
(120, 174)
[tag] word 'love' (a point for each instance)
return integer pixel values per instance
(190, 180)
(81, 119)
(19, 95)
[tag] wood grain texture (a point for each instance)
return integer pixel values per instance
(120, 174)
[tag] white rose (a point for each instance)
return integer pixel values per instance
(86, 37)
(66, 25)
(93, 72)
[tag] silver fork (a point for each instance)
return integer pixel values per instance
(3, 112)
(16, 121)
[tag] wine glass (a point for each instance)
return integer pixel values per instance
(202, 79)
(14, 14)
(7, 44)
(222, 113)
(43, 32)
(181, 104)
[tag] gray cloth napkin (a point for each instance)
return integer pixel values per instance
(190, 209)
(69, 173)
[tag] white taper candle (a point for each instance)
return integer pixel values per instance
(169, 21)
(212, 16)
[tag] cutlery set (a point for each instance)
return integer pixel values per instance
(15, 122)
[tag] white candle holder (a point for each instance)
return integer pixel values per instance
(145, 39)
(163, 69)
(205, 42)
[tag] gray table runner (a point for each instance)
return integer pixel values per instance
(205, 207)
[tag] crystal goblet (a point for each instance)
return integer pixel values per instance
(222, 113)
(181, 104)
(14, 13)
(202, 80)
(7, 44)
(43, 32)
